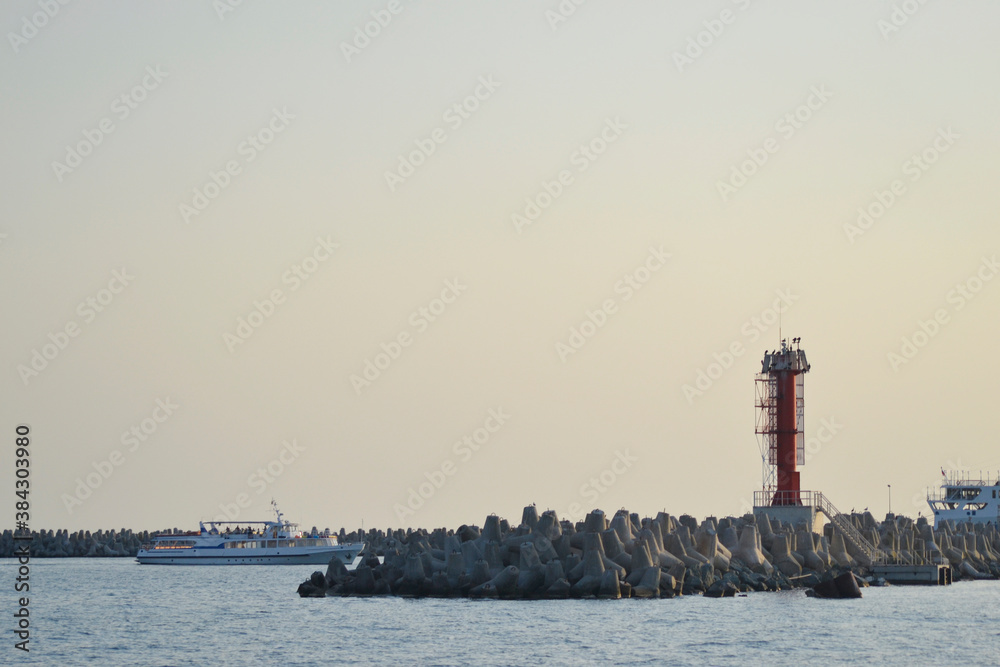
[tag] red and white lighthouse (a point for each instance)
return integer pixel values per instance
(780, 422)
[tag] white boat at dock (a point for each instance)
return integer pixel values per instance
(962, 498)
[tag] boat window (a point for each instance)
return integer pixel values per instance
(271, 544)
(282, 543)
(291, 543)
(173, 544)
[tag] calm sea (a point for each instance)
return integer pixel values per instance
(115, 612)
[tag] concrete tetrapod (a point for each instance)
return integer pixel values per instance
(838, 551)
(593, 572)
(807, 549)
(595, 522)
(503, 585)
(615, 550)
(532, 574)
(548, 525)
(641, 561)
(708, 546)
(610, 588)
(749, 551)
(556, 585)
(783, 559)
(623, 527)
(675, 547)
(649, 583)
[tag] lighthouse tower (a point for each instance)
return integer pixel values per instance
(780, 421)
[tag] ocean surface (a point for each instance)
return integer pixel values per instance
(116, 612)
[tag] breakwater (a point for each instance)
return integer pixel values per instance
(79, 544)
(120, 543)
(661, 556)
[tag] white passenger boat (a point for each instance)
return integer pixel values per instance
(963, 498)
(248, 543)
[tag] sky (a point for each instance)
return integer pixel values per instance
(408, 264)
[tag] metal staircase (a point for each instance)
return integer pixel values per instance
(865, 551)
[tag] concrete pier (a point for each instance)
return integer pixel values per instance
(922, 575)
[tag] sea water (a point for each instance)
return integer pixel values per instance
(116, 612)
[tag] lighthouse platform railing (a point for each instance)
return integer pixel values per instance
(863, 549)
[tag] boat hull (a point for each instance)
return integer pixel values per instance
(348, 556)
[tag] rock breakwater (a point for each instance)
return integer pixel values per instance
(628, 556)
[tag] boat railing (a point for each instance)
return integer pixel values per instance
(965, 478)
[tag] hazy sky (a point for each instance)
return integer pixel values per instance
(485, 252)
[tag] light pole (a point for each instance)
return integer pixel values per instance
(890, 498)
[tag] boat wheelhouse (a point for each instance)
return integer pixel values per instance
(963, 498)
(276, 542)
